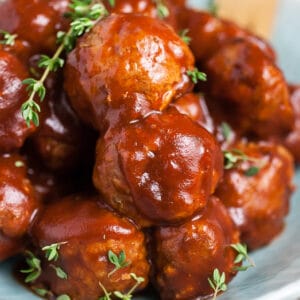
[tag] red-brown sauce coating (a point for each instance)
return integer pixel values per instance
(130, 63)
(258, 98)
(89, 231)
(36, 22)
(209, 33)
(161, 169)
(9, 246)
(258, 204)
(185, 257)
(13, 129)
(17, 199)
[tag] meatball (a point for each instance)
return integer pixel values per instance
(159, 170)
(292, 140)
(127, 63)
(209, 33)
(249, 87)
(17, 199)
(148, 8)
(258, 202)
(185, 257)
(86, 232)
(61, 141)
(9, 247)
(36, 22)
(194, 106)
(13, 128)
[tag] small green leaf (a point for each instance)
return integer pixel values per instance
(226, 130)
(184, 36)
(196, 75)
(112, 3)
(8, 39)
(63, 297)
(40, 292)
(252, 171)
(60, 273)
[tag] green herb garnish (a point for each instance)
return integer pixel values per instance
(196, 75)
(162, 9)
(118, 261)
(242, 256)
(8, 39)
(217, 283)
(184, 36)
(234, 157)
(60, 273)
(51, 251)
(34, 267)
(84, 15)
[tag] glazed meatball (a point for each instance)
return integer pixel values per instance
(127, 63)
(185, 257)
(148, 8)
(292, 140)
(259, 202)
(13, 128)
(159, 170)
(250, 88)
(17, 200)
(61, 141)
(87, 232)
(209, 33)
(36, 22)
(9, 247)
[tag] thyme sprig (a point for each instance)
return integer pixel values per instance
(8, 39)
(118, 294)
(34, 270)
(51, 251)
(234, 157)
(84, 14)
(162, 10)
(196, 75)
(217, 283)
(184, 36)
(118, 261)
(242, 255)
(213, 7)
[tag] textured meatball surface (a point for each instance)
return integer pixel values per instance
(13, 129)
(17, 198)
(250, 88)
(159, 170)
(185, 257)
(87, 232)
(127, 62)
(258, 204)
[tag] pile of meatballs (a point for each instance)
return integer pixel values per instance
(129, 153)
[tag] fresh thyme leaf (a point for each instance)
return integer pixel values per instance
(184, 36)
(63, 297)
(112, 3)
(217, 283)
(52, 63)
(118, 261)
(8, 39)
(213, 7)
(40, 292)
(196, 75)
(226, 131)
(241, 257)
(234, 157)
(60, 273)
(52, 251)
(252, 171)
(84, 14)
(162, 9)
(34, 267)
